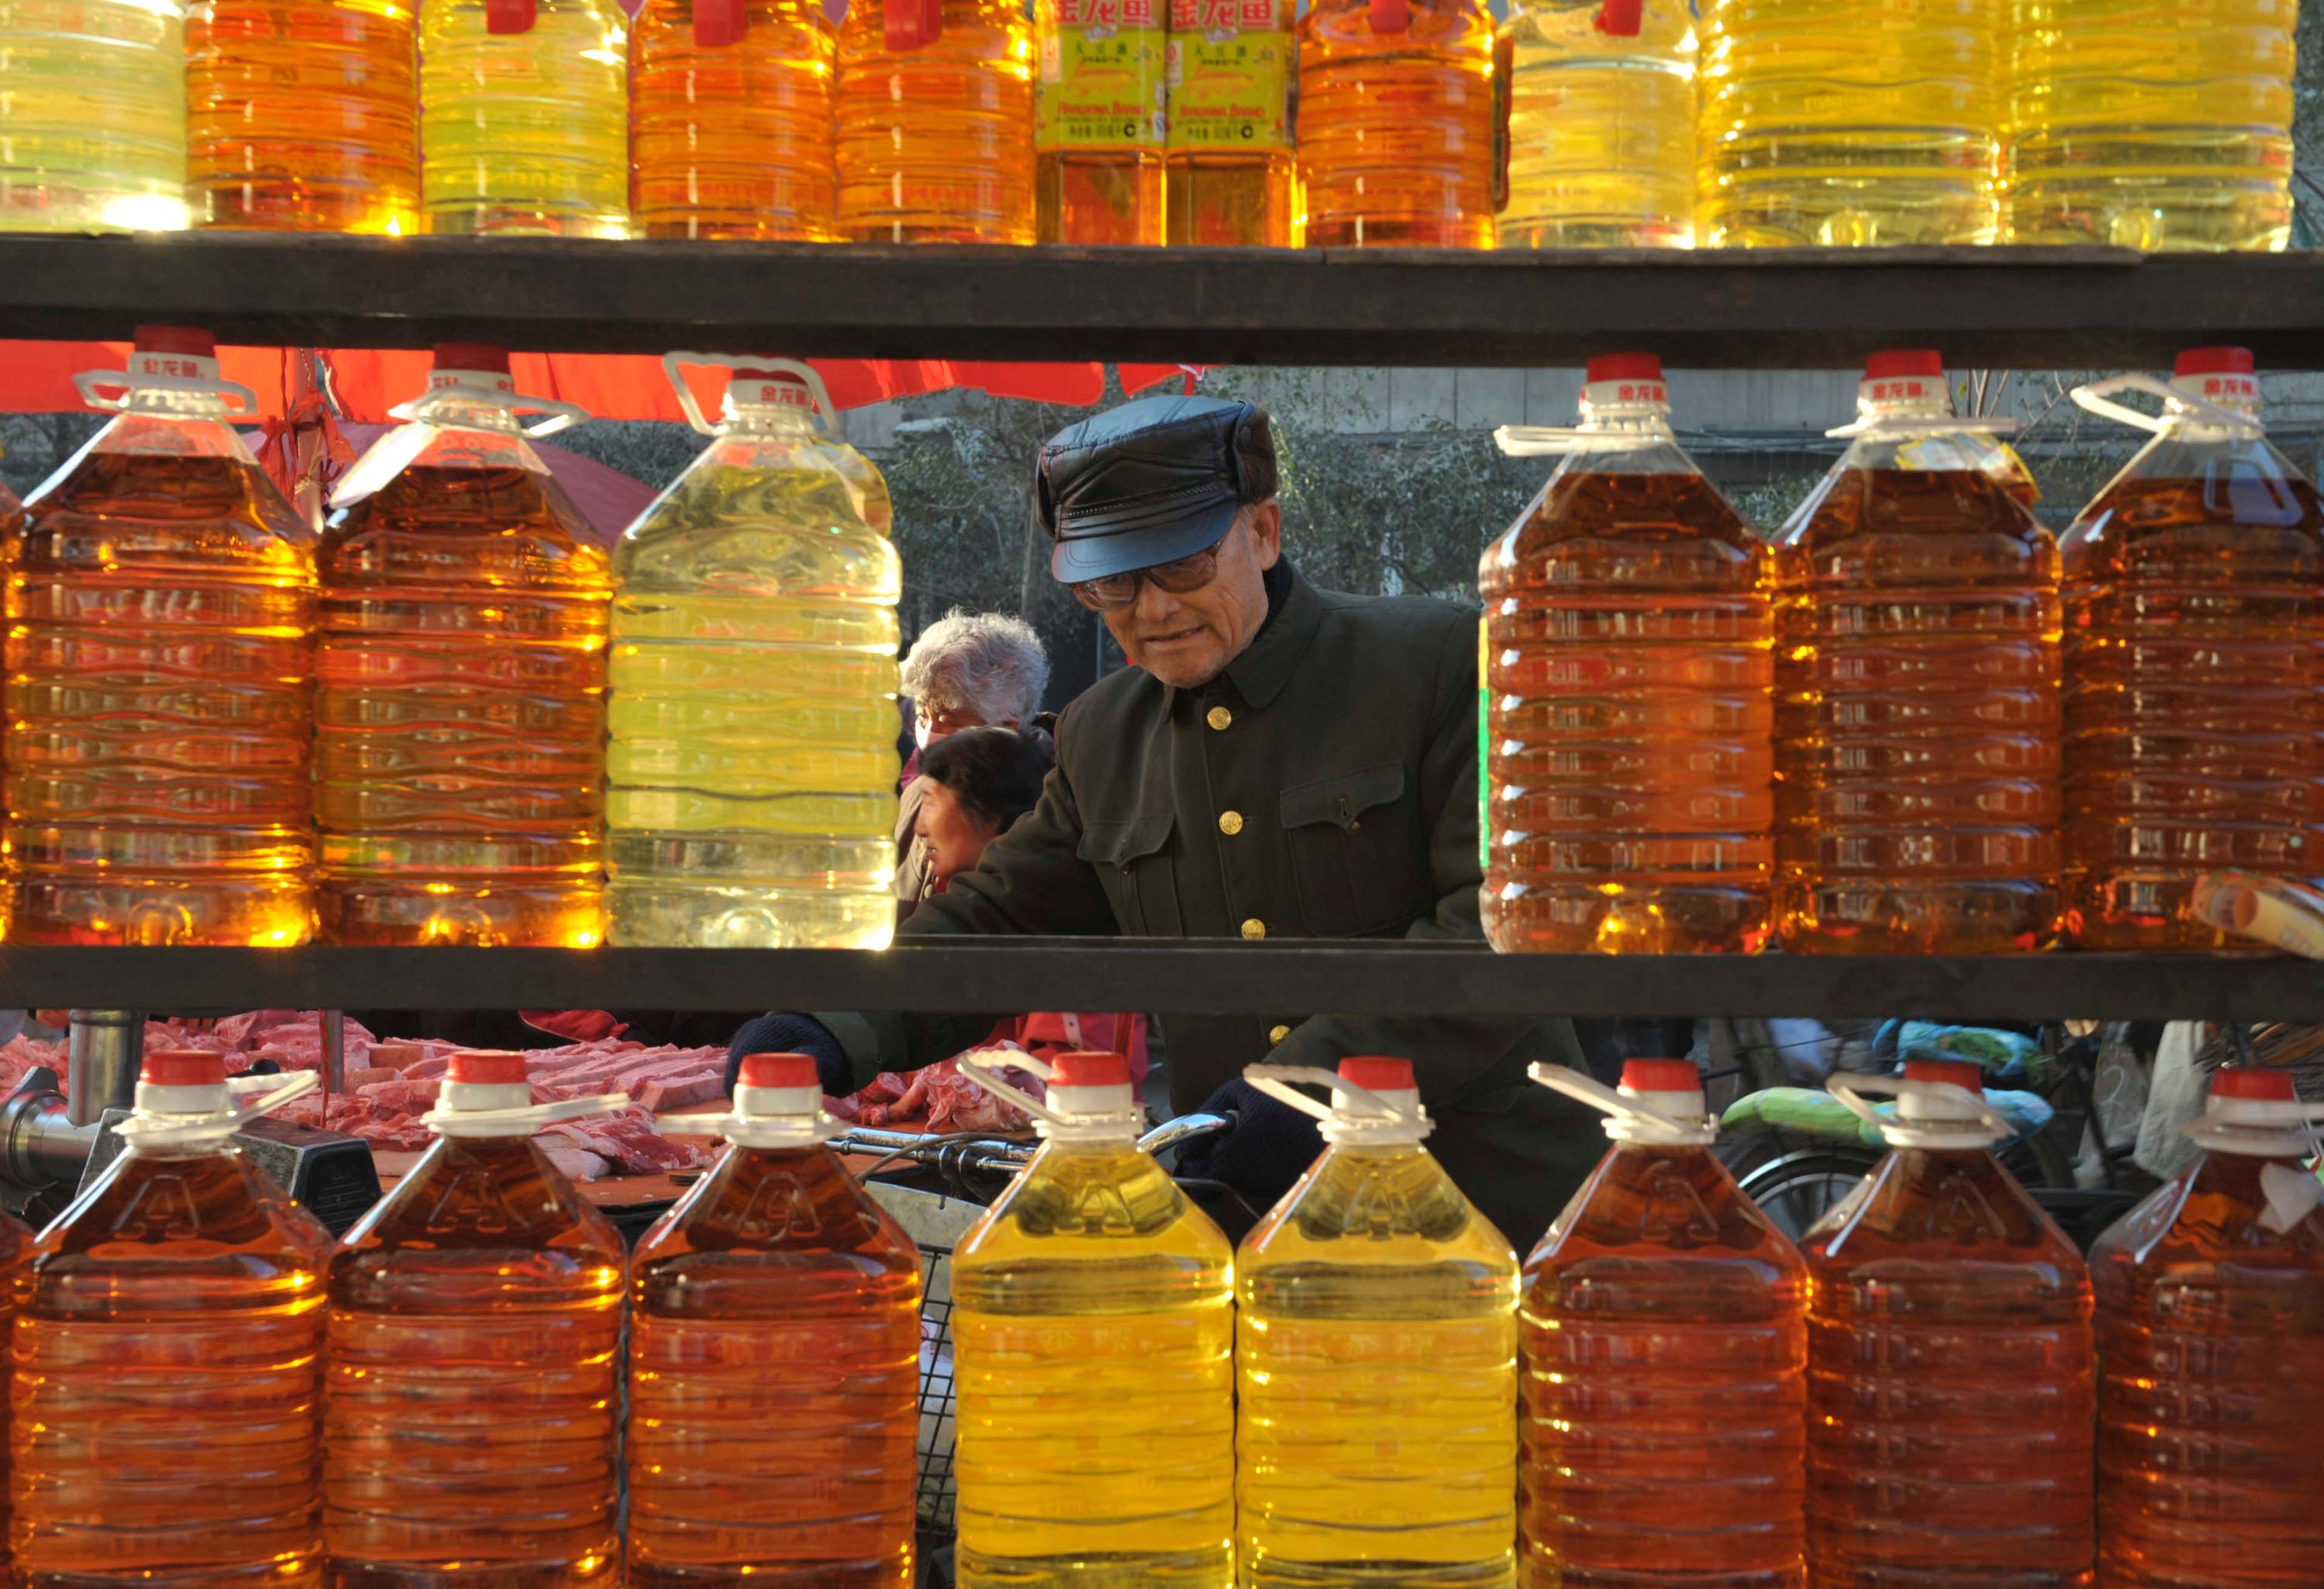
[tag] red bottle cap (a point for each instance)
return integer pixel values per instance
(1660, 1075)
(503, 17)
(1089, 1070)
(719, 23)
(1378, 1073)
(1624, 367)
(1904, 361)
(183, 1067)
(1961, 1073)
(778, 1070)
(2195, 361)
(187, 340)
(907, 24)
(471, 356)
(488, 1066)
(1621, 19)
(2253, 1082)
(1390, 16)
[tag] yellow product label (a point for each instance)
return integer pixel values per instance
(1100, 77)
(1230, 72)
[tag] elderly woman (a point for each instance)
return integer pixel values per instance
(966, 670)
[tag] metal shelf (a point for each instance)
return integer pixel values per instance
(1222, 977)
(2009, 307)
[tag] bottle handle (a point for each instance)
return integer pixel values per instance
(456, 394)
(88, 381)
(2177, 405)
(1896, 1129)
(818, 395)
(993, 1084)
(1628, 1123)
(1276, 1081)
(272, 1092)
(1951, 424)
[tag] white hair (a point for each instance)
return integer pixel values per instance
(988, 663)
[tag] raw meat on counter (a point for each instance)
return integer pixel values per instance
(938, 1098)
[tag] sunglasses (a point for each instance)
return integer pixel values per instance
(1179, 577)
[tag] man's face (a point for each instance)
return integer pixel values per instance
(1186, 641)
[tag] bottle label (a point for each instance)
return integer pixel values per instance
(1101, 77)
(1230, 72)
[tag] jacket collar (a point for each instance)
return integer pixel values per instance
(1264, 668)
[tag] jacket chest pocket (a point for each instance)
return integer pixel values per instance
(1357, 851)
(1133, 865)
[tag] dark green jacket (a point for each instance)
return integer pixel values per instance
(1325, 786)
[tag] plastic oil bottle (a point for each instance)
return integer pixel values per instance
(1836, 123)
(2211, 1328)
(160, 607)
(1629, 675)
(1917, 689)
(469, 1432)
(1949, 1379)
(731, 120)
(1661, 1302)
(1376, 1358)
(751, 794)
(935, 122)
(2154, 126)
(1094, 1356)
(95, 93)
(2194, 611)
(1602, 124)
(774, 1363)
(1397, 123)
(524, 117)
(1233, 169)
(460, 680)
(304, 115)
(169, 1328)
(1098, 129)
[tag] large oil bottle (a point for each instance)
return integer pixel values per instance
(2194, 591)
(2211, 1328)
(460, 681)
(1376, 1359)
(469, 1432)
(160, 607)
(1233, 171)
(751, 797)
(1396, 134)
(935, 122)
(1098, 128)
(2163, 124)
(1662, 1302)
(1602, 124)
(168, 1346)
(731, 120)
(1094, 1356)
(1949, 1374)
(303, 115)
(1627, 677)
(1836, 123)
(16, 1252)
(774, 1363)
(95, 108)
(524, 117)
(1917, 711)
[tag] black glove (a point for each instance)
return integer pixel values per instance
(787, 1031)
(1269, 1149)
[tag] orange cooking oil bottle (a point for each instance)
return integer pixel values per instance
(1628, 682)
(474, 1329)
(524, 117)
(1661, 1302)
(1950, 1375)
(160, 604)
(1098, 127)
(1093, 1360)
(731, 120)
(2210, 1329)
(1376, 1358)
(169, 1328)
(1917, 689)
(303, 115)
(774, 1363)
(1233, 172)
(16, 1252)
(1602, 124)
(2194, 614)
(1397, 133)
(460, 680)
(935, 107)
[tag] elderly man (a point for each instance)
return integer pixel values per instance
(966, 670)
(1280, 762)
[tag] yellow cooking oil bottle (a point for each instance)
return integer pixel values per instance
(1376, 1345)
(1602, 124)
(1233, 172)
(92, 115)
(1094, 1356)
(750, 769)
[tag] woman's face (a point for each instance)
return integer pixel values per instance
(955, 840)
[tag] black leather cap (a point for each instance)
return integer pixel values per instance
(1149, 482)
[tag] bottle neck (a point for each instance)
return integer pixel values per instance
(770, 420)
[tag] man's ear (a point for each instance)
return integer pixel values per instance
(1265, 521)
